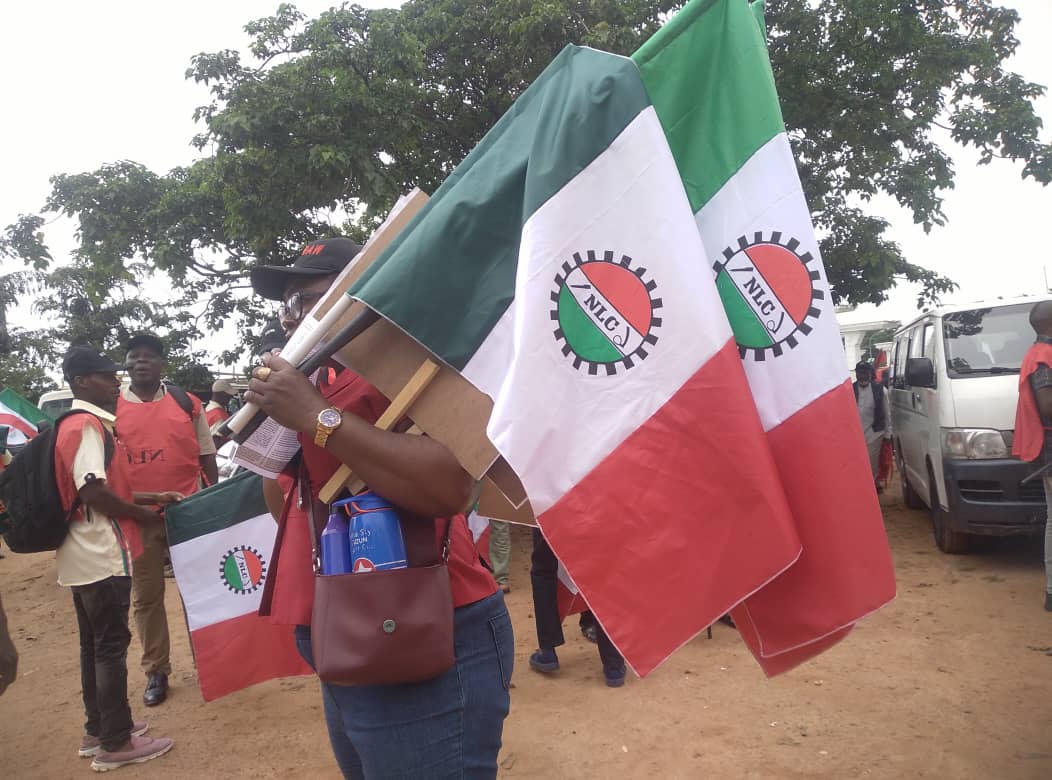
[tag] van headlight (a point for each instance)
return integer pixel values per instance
(973, 443)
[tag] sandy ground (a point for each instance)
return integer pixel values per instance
(952, 680)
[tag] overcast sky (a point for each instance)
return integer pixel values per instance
(90, 83)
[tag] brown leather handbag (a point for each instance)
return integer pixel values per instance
(385, 627)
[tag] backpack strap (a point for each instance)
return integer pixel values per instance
(181, 397)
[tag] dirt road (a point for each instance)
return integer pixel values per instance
(952, 680)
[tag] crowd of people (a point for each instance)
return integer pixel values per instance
(132, 450)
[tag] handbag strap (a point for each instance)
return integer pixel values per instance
(272, 574)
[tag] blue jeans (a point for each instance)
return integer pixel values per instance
(449, 727)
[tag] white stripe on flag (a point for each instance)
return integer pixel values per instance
(765, 195)
(210, 592)
(629, 201)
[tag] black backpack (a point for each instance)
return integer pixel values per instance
(32, 518)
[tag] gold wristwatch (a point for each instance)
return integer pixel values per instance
(328, 421)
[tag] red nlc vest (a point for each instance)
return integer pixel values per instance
(67, 442)
(1029, 436)
(212, 416)
(164, 453)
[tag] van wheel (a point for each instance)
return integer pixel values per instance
(946, 539)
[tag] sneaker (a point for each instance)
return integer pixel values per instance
(92, 746)
(143, 749)
(544, 661)
(615, 677)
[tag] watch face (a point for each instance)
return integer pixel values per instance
(329, 417)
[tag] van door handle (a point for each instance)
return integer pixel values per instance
(916, 399)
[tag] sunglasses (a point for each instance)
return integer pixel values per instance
(299, 303)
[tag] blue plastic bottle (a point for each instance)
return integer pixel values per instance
(335, 544)
(375, 534)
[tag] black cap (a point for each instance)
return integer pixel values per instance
(146, 340)
(81, 361)
(272, 337)
(319, 258)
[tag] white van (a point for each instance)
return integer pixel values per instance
(953, 393)
(55, 402)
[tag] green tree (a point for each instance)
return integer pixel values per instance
(333, 117)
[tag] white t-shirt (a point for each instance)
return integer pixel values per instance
(91, 551)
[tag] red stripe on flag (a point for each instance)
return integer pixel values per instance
(846, 571)
(570, 603)
(16, 422)
(680, 522)
(243, 651)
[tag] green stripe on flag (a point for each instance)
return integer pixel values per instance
(748, 330)
(582, 333)
(564, 121)
(223, 505)
(732, 110)
(22, 407)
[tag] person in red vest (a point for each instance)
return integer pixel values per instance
(93, 561)
(216, 411)
(171, 448)
(447, 727)
(1033, 417)
(222, 393)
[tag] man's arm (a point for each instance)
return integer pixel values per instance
(207, 448)
(1043, 396)
(210, 468)
(97, 495)
(415, 472)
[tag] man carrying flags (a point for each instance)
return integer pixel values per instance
(639, 254)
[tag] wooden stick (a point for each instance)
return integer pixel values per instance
(398, 409)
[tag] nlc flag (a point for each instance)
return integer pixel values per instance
(593, 243)
(729, 141)
(560, 269)
(19, 417)
(221, 541)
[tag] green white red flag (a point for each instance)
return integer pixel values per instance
(20, 417)
(729, 141)
(221, 540)
(603, 240)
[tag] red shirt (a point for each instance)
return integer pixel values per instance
(293, 596)
(1029, 439)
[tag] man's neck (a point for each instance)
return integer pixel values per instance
(146, 392)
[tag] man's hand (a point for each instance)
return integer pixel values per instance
(169, 497)
(285, 394)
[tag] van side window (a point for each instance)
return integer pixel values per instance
(917, 342)
(929, 341)
(898, 373)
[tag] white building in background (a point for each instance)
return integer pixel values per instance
(856, 333)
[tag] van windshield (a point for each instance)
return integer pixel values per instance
(982, 342)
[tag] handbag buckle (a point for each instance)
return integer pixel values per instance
(389, 626)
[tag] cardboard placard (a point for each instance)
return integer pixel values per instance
(450, 410)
